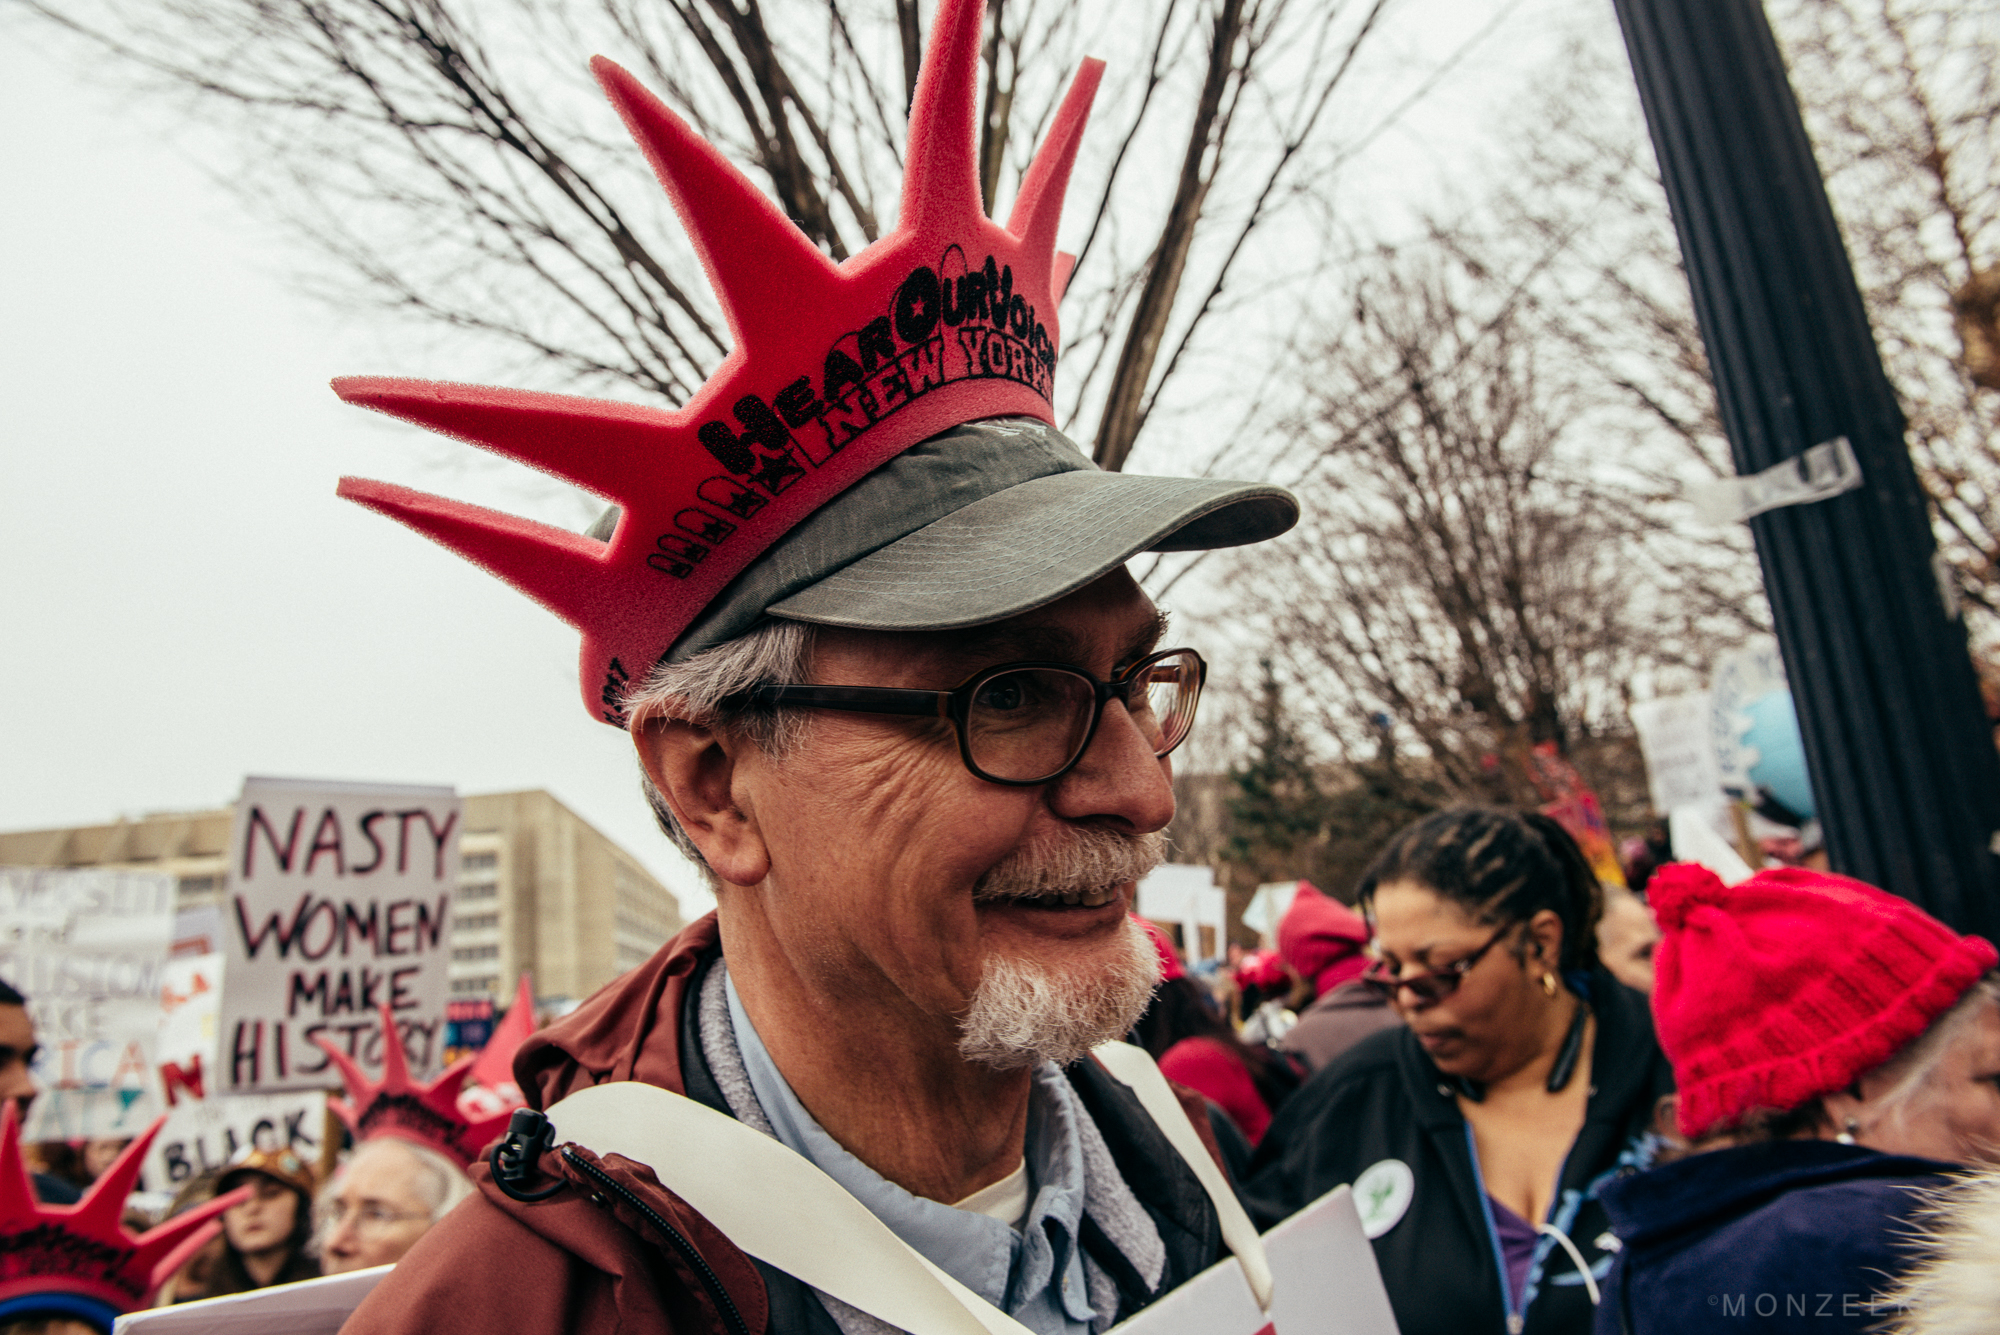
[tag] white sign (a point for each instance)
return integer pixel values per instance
(1324, 1283)
(1677, 737)
(87, 947)
(190, 1010)
(309, 1307)
(203, 1134)
(339, 903)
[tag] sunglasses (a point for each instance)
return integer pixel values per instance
(1433, 984)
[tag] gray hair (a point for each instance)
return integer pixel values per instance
(438, 1182)
(1914, 1066)
(694, 691)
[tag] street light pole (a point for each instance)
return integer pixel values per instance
(1902, 759)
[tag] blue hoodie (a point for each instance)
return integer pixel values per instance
(1790, 1235)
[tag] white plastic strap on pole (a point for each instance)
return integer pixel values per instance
(780, 1208)
(1137, 1069)
(1825, 470)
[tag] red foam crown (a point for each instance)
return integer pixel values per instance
(834, 370)
(396, 1105)
(85, 1248)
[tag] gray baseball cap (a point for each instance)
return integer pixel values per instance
(982, 522)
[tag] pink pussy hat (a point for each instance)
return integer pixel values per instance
(876, 451)
(1791, 984)
(1323, 939)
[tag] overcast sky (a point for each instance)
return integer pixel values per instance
(185, 601)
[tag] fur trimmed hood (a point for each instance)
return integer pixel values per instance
(1956, 1290)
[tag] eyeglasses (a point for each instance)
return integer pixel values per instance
(1022, 724)
(1433, 984)
(369, 1218)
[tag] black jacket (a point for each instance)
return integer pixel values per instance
(1384, 1100)
(1792, 1235)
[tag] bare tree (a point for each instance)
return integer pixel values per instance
(1484, 561)
(1902, 100)
(450, 162)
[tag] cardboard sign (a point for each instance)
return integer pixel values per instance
(1324, 1275)
(309, 1307)
(202, 1134)
(87, 947)
(339, 903)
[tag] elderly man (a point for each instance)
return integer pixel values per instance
(865, 616)
(380, 1201)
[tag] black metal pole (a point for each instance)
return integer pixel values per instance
(1902, 761)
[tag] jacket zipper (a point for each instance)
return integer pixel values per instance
(723, 1302)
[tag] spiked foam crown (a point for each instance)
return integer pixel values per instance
(79, 1258)
(834, 370)
(396, 1105)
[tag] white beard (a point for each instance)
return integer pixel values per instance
(1024, 1013)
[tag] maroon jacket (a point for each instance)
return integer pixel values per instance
(613, 1250)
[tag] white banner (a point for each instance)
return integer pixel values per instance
(190, 1009)
(339, 903)
(87, 947)
(202, 1134)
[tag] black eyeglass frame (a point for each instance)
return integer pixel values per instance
(1432, 985)
(955, 705)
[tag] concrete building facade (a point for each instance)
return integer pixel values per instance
(539, 889)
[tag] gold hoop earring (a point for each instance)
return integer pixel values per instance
(1549, 984)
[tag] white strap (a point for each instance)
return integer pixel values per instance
(731, 1175)
(1135, 1066)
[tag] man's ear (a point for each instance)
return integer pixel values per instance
(695, 769)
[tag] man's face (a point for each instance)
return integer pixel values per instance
(17, 1054)
(375, 1213)
(880, 839)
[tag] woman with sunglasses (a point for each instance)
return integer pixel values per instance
(1524, 1077)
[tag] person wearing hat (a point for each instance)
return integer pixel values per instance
(265, 1233)
(864, 615)
(1837, 1052)
(75, 1269)
(1325, 942)
(1195, 1046)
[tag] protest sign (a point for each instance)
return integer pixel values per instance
(87, 947)
(1324, 1282)
(202, 1134)
(309, 1307)
(1677, 738)
(339, 903)
(190, 1007)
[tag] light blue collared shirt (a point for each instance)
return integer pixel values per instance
(1033, 1273)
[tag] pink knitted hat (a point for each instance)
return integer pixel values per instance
(1792, 984)
(1323, 939)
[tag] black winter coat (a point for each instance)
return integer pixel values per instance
(1788, 1236)
(1384, 1101)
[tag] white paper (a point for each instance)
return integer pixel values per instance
(87, 947)
(1677, 737)
(339, 902)
(309, 1307)
(1326, 1283)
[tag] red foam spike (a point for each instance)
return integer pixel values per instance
(1039, 205)
(495, 1065)
(759, 263)
(85, 1248)
(396, 1105)
(1059, 272)
(603, 446)
(941, 165)
(557, 568)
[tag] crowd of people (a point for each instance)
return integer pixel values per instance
(865, 618)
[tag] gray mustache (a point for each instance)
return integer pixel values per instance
(1088, 858)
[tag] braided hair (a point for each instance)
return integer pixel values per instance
(1501, 866)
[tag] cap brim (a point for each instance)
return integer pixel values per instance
(1033, 543)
